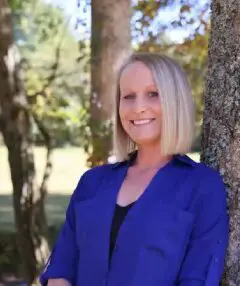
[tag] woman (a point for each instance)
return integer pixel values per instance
(156, 217)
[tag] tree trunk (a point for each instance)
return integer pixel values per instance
(111, 44)
(15, 125)
(221, 125)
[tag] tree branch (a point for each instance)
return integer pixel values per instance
(53, 68)
(48, 143)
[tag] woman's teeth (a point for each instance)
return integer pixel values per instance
(142, 122)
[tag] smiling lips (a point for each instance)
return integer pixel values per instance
(142, 121)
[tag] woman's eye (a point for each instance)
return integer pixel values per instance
(153, 94)
(129, 96)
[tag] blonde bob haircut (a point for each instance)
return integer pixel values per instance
(177, 107)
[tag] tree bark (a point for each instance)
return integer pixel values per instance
(221, 124)
(15, 125)
(110, 45)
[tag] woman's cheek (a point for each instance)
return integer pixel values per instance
(126, 125)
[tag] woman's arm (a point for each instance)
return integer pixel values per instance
(203, 264)
(62, 264)
(58, 282)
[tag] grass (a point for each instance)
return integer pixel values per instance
(55, 207)
(68, 166)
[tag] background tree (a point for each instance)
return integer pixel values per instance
(221, 126)
(15, 125)
(110, 45)
(42, 89)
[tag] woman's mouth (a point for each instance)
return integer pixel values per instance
(142, 121)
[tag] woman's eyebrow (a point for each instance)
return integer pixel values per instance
(126, 91)
(152, 86)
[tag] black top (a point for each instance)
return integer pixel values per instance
(119, 216)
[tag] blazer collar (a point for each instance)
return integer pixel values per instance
(178, 158)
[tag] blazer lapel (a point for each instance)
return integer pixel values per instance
(94, 219)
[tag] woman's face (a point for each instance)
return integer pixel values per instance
(139, 108)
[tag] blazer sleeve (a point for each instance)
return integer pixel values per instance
(63, 260)
(203, 264)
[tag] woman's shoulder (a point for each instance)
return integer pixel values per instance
(199, 168)
(91, 179)
(205, 181)
(208, 173)
(96, 171)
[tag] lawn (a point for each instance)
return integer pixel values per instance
(68, 166)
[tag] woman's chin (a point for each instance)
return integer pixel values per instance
(147, 140)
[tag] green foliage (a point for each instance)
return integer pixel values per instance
(20, 5)
(194, 60)
(149, 10)
(149, 23)
(56, 78)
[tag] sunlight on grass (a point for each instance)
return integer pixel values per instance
(68, 165)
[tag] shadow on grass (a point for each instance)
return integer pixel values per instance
(10, 262)
(55, 208)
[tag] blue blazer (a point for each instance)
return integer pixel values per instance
(175, 234)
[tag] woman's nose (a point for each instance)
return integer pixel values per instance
(140, 104)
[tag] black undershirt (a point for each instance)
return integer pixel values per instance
(119, 215)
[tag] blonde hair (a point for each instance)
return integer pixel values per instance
(177, 107)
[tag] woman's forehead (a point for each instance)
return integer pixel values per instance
(136, 72)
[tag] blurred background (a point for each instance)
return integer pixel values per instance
(62, 58)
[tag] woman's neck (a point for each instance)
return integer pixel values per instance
(150, 158)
